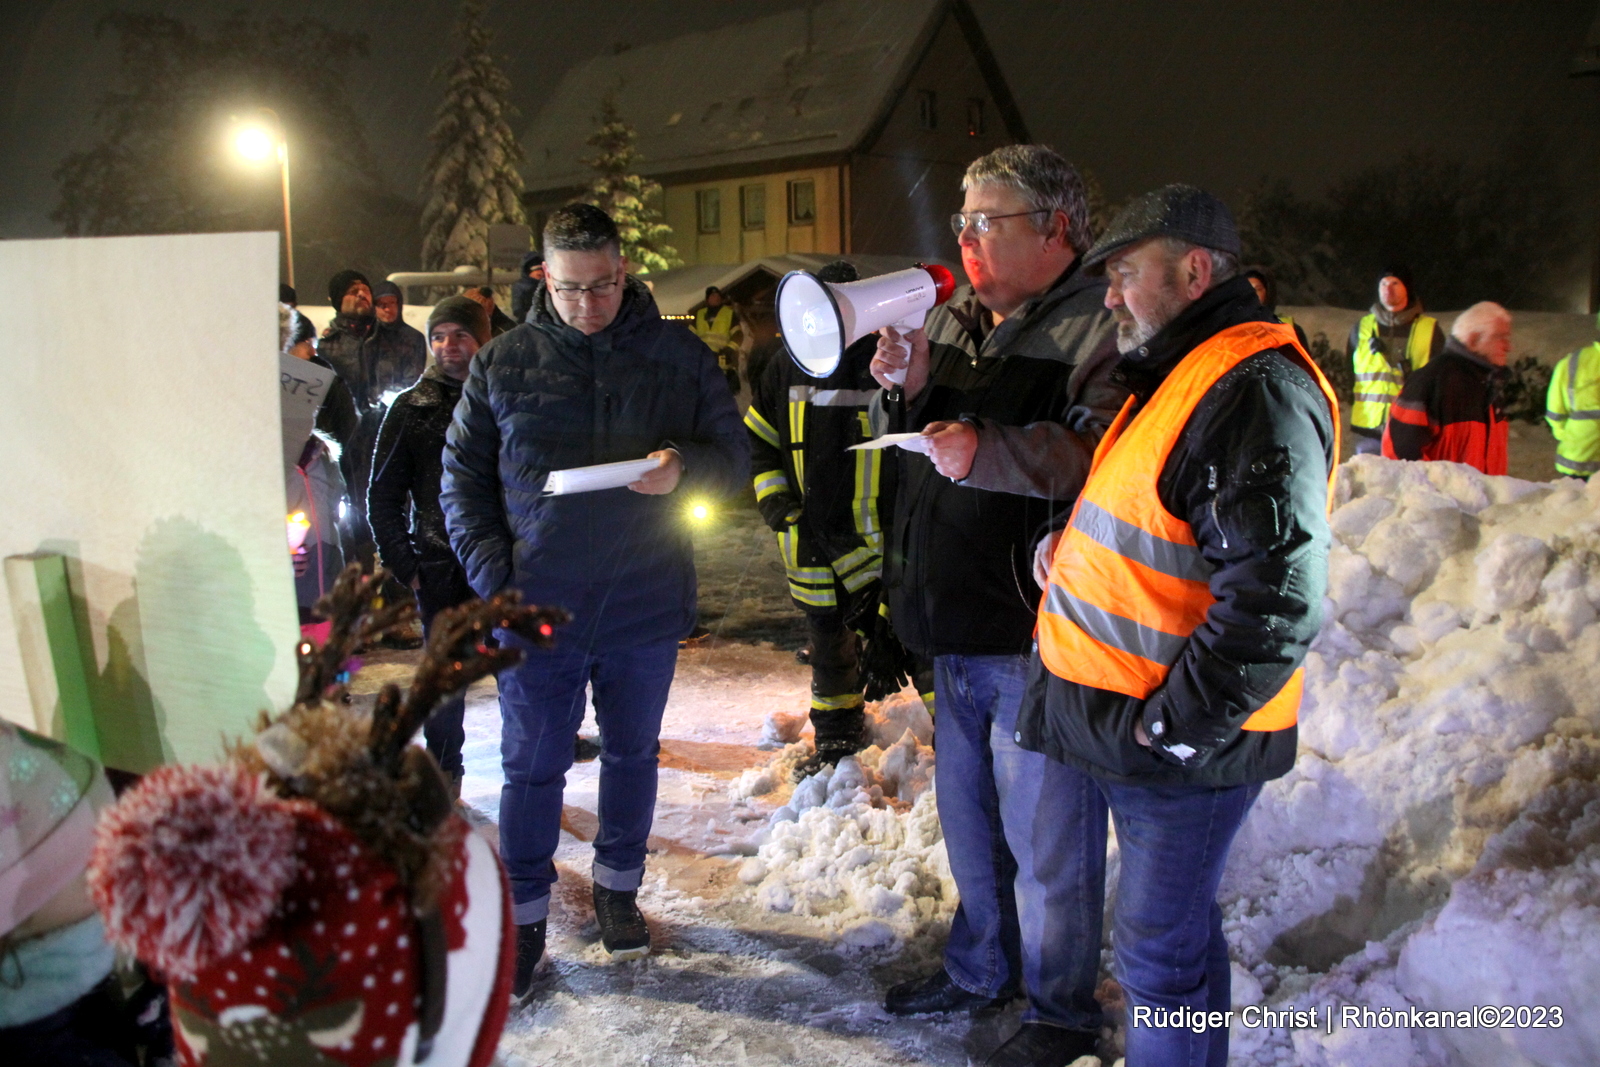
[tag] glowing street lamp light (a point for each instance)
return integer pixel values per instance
(256, 143)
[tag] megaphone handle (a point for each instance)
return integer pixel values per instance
(911, 322)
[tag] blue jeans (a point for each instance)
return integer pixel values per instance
(541, 708)
(1167, 928)
(1018, 863)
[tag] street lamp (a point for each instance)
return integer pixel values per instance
(256, 142)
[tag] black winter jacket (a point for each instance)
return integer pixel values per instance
(403, 499)
(546, 397)
(1250, 475)
(373, 358)
(959, 564)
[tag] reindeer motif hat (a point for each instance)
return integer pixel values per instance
(315, 900)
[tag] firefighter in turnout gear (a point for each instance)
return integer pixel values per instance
(1386, 345)
(1572, 408)
(824, 503)
(716, 325)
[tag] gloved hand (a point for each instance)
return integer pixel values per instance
(886, 665)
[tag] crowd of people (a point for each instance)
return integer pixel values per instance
(1102, 570)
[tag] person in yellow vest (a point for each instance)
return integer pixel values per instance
(1387, 344)
(716, 325)
(1572, 408)
(1181, 600)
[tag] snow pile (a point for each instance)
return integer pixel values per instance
(857, 845)
(1437, 844)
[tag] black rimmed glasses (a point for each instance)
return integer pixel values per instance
(574, 293)
(980, 221)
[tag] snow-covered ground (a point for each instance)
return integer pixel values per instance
(1437, 846)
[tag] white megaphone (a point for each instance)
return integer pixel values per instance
(819, 319)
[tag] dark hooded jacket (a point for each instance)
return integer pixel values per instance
(959, 561)
(372, 359)
(403, 500)
(546, 397)
(522, 289)
(1249, 474)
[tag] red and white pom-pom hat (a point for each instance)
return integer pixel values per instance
(285, 941)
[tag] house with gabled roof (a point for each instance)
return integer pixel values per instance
(841, 127)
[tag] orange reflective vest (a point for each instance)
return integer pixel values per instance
(1128, 583)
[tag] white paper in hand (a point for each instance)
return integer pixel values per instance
(599, 476)
(911, 442)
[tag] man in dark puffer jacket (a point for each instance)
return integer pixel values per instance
(403, 500)
(594, 376)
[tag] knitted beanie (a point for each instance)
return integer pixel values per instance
(340, 284)
(315, 899)
(464, 312)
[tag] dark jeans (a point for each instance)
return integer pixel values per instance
(836, 702)
(1015, 848)
(541, 708)
(1167, 928)
(444, 586)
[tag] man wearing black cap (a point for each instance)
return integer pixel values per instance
(376, 363)
(1180, 602)
(403, 500)
(1386, 345)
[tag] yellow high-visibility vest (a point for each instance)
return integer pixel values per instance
(1572, 408)
(1378, 379)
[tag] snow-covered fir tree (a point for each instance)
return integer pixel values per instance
(471, 178)
(626, 196)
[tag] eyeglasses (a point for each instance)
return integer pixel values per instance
(575, 293)
(980, 222)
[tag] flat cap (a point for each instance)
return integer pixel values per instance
(1181, 211)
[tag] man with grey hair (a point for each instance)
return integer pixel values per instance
(1180, 602)
(1007, 384)
(1452, 409)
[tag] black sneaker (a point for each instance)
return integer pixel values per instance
(530, 948)
(937, 994)
(622, 928)
(585, 749)
(824, 756)
(1042, 1045)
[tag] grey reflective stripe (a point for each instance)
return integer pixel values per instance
(1141, 546)
(843, 398)
(1114, 630)
(1577, 466)
(1381, 398)
(1379, 376)
(1590, 414)
(799, 394)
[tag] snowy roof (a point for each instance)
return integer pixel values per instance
(808, 81)
(681, 291)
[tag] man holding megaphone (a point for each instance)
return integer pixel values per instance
(1007, 383)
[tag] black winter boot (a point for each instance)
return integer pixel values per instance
(1041, 1045)
(622, 927)
(530, 948)
(827, 754)
(937, 994)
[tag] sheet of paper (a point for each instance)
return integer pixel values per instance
(912, 442)
(599, 476)
(304, 386)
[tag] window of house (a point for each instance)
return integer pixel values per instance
(802, 202)
(753, 207)
(974, 117)
(708, 210)
(927, 109)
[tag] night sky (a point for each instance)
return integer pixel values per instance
(1217, 92)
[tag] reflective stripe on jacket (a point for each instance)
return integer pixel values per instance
(1378, 380)
(1572, 407)
(1128, 583)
